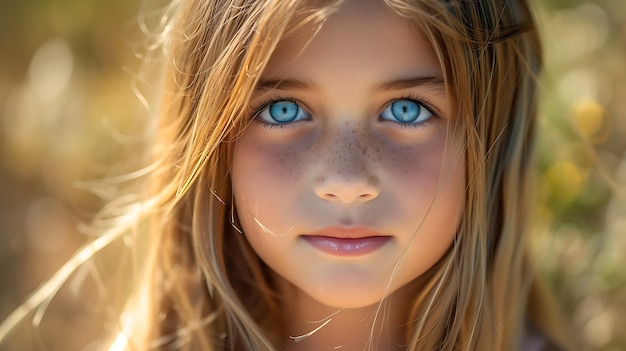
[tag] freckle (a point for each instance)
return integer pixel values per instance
(373, 180)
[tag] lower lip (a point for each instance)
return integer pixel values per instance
(346, 246)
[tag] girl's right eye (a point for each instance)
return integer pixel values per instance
(282, 112)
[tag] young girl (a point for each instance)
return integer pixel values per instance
(345, 175)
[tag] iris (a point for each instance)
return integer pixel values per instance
(405, 110)
(284, 111)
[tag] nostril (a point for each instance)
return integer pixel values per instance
(330, 196)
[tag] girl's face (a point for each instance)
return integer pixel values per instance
(349, 182)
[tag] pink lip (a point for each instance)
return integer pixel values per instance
(340, 241)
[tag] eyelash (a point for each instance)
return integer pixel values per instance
(421, 101)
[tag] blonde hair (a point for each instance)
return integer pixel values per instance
(204, 286)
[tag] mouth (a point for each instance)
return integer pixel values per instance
(347, 242)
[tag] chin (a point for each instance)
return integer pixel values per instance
(348, 295)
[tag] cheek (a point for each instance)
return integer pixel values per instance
(257, 167)
(414, 174)
(425, 183)
(264, 179)
(433, 198)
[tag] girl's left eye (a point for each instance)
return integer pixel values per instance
(406, 111)
(282, 112)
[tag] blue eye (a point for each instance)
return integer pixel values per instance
(282, 112)
(406, 111)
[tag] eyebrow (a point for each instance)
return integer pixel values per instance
(283, 84)
(433, 82)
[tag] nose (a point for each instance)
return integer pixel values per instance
(347, 175)
(335, 188)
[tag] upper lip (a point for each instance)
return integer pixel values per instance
(347, 232)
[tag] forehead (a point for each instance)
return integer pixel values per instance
(358, 36)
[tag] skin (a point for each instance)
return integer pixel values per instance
(344, 167)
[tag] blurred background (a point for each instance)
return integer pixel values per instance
(69, 114)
